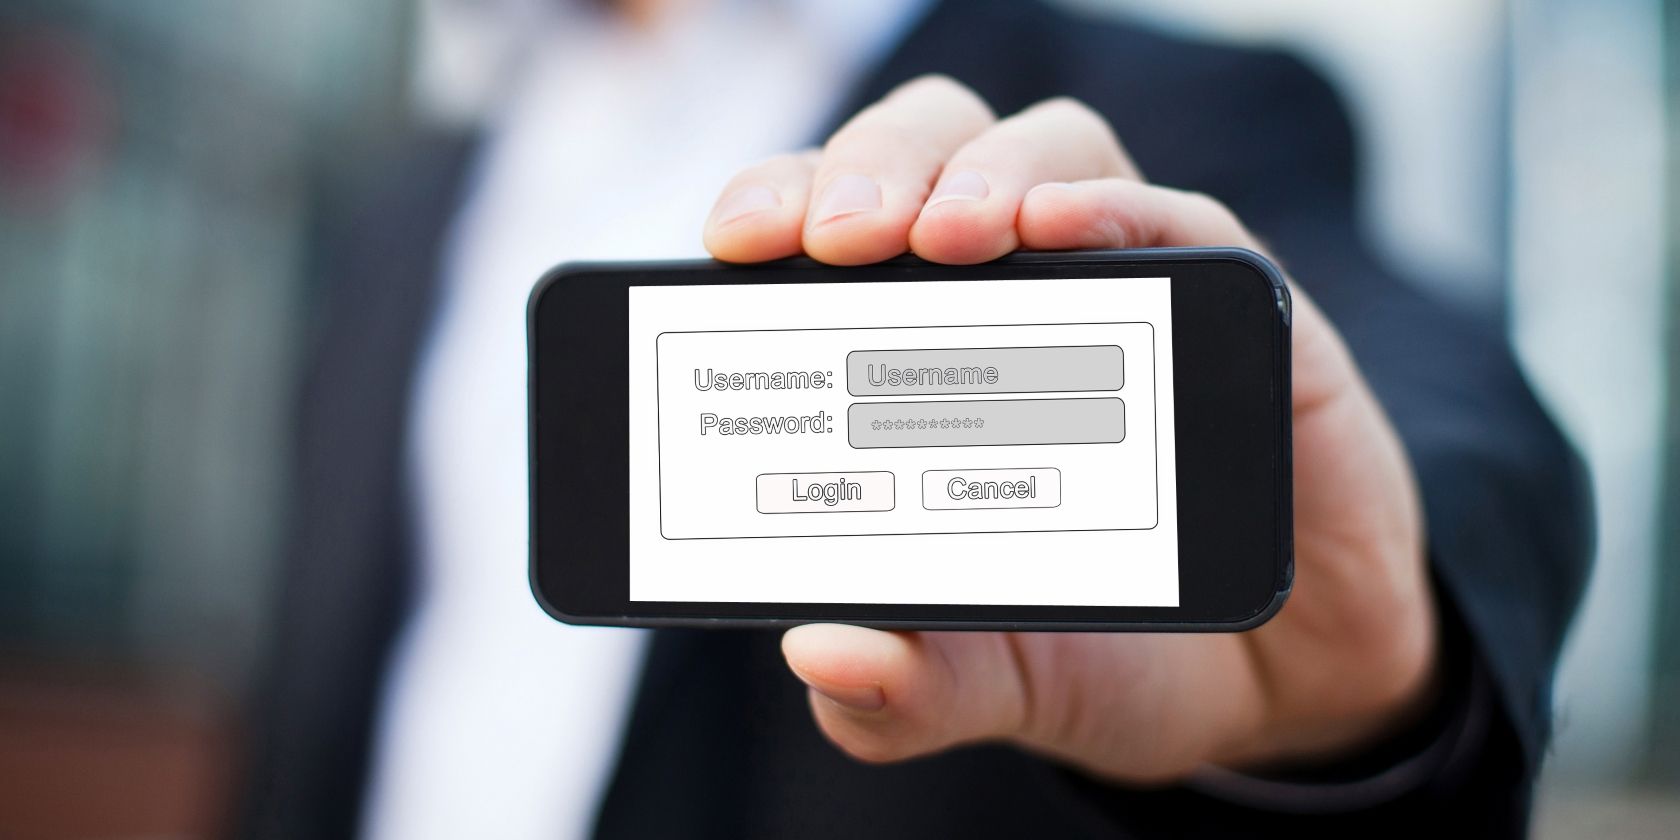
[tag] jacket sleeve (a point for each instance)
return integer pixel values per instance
(1506, 506)
(1507, 512)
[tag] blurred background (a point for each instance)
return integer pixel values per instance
(167, 168)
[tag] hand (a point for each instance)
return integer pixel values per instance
(1353, 652)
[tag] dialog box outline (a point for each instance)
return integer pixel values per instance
(1154, 400)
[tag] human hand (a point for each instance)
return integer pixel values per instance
(1351, 655)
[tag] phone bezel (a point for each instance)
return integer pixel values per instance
(1226, 302)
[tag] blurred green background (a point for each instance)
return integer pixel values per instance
(162, 166)
(166, 170)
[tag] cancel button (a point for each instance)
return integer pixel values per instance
(1032, 487)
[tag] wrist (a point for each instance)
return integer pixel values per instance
(1381, 687)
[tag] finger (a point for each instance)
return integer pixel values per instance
(970, 217)
(1123, 213)
(760, 212)
(877, 169)
(887, 696)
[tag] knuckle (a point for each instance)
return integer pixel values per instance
(1202, 204)
(1082, 126)
(792, 161)
(860, 123)
(873, 749)
(875, 132)
(1069, 108)
(936, 84)
(933, 82)
(798, 157)
(1121, 225)
(949, 92)
(919, 117)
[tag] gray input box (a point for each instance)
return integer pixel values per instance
(890, 425)
(985, 370)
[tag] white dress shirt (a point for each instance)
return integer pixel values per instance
(497, 720)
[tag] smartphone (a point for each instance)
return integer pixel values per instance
(1091, 441)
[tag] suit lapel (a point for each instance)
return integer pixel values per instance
(348, 567)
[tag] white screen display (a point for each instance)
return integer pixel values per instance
(944, 442)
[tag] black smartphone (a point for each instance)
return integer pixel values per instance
(1093, 440)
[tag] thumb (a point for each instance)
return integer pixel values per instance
(882, 696)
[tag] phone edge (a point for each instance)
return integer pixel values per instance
(1282, 304)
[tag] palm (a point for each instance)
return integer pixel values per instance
(1138, 707)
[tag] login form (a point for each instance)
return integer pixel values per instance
(939, 442)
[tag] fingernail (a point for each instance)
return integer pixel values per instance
(745, 201)
(1051, 185)
(867, 698)
(847, 194)
(966, 185)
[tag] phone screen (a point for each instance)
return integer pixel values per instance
(953, 442)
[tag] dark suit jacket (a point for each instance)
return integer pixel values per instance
(720, 742)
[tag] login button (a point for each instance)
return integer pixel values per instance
(852, 492)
